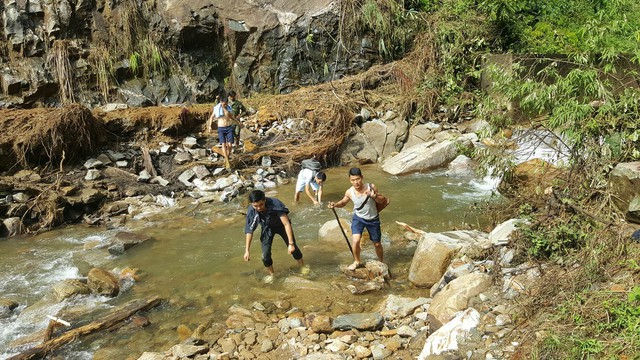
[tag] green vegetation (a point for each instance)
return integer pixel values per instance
(570, 67)
(135, 63)
(394, 24)
(603, 323)
(555, 238)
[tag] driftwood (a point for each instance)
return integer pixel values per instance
(148, 165)
(119, 315)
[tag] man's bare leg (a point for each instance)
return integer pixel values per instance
(379, 251)
(356, 251)
(225, 154)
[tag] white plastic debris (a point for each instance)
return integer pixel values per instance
(446, 338)
(165, 201)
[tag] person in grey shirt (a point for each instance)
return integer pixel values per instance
(365, 214)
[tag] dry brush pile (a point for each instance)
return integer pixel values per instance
(47, 137)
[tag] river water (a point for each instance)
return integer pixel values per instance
(194, 262)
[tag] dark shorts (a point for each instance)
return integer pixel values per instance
(225, 134)
(266, 240)
(358, 225)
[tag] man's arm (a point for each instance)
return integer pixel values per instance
(344, 201)
(250, 225)
(247, 245)
(373, 193)
(319, 193)
(210, 122)
(307, 189)
(289, 230)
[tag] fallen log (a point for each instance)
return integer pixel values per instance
(119, 315)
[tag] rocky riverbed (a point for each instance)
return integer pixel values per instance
(469, 295)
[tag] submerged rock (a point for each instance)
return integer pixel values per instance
(124, 241)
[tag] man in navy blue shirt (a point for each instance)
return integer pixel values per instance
(272, 215)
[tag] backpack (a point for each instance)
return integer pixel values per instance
(381, 203)
(311, 164)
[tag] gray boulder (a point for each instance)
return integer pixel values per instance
(363, 321)
(420, 157)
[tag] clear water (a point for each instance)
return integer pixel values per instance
(194, 262)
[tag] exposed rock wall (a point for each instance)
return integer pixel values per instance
(145, 52)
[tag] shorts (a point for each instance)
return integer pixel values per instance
(302, 181)
(358, 225)
(225, 134)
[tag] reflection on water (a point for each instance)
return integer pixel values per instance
(195, 260)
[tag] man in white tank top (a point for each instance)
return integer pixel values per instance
(365, 214)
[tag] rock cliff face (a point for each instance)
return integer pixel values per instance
(149, 52)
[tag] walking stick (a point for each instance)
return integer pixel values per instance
(343, 233)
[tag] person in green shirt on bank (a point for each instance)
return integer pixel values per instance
(237, 110)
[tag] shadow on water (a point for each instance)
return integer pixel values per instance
(195, 259)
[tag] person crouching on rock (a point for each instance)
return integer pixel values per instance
(272, 215)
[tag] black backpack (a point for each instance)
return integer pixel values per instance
(311, 164)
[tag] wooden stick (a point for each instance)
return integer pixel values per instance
(58, 320)
(119, 315)
(343, 233)
(48, 334)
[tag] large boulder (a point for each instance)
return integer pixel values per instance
(462, 166)
(394, 307)
(359, 150)
(430, 260)
(386, 136)
(455, 296)
(426, 156)
(330, 231)
(422, 133)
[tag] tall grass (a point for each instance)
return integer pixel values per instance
(101, 60)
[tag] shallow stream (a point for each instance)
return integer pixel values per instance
(194, 261)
